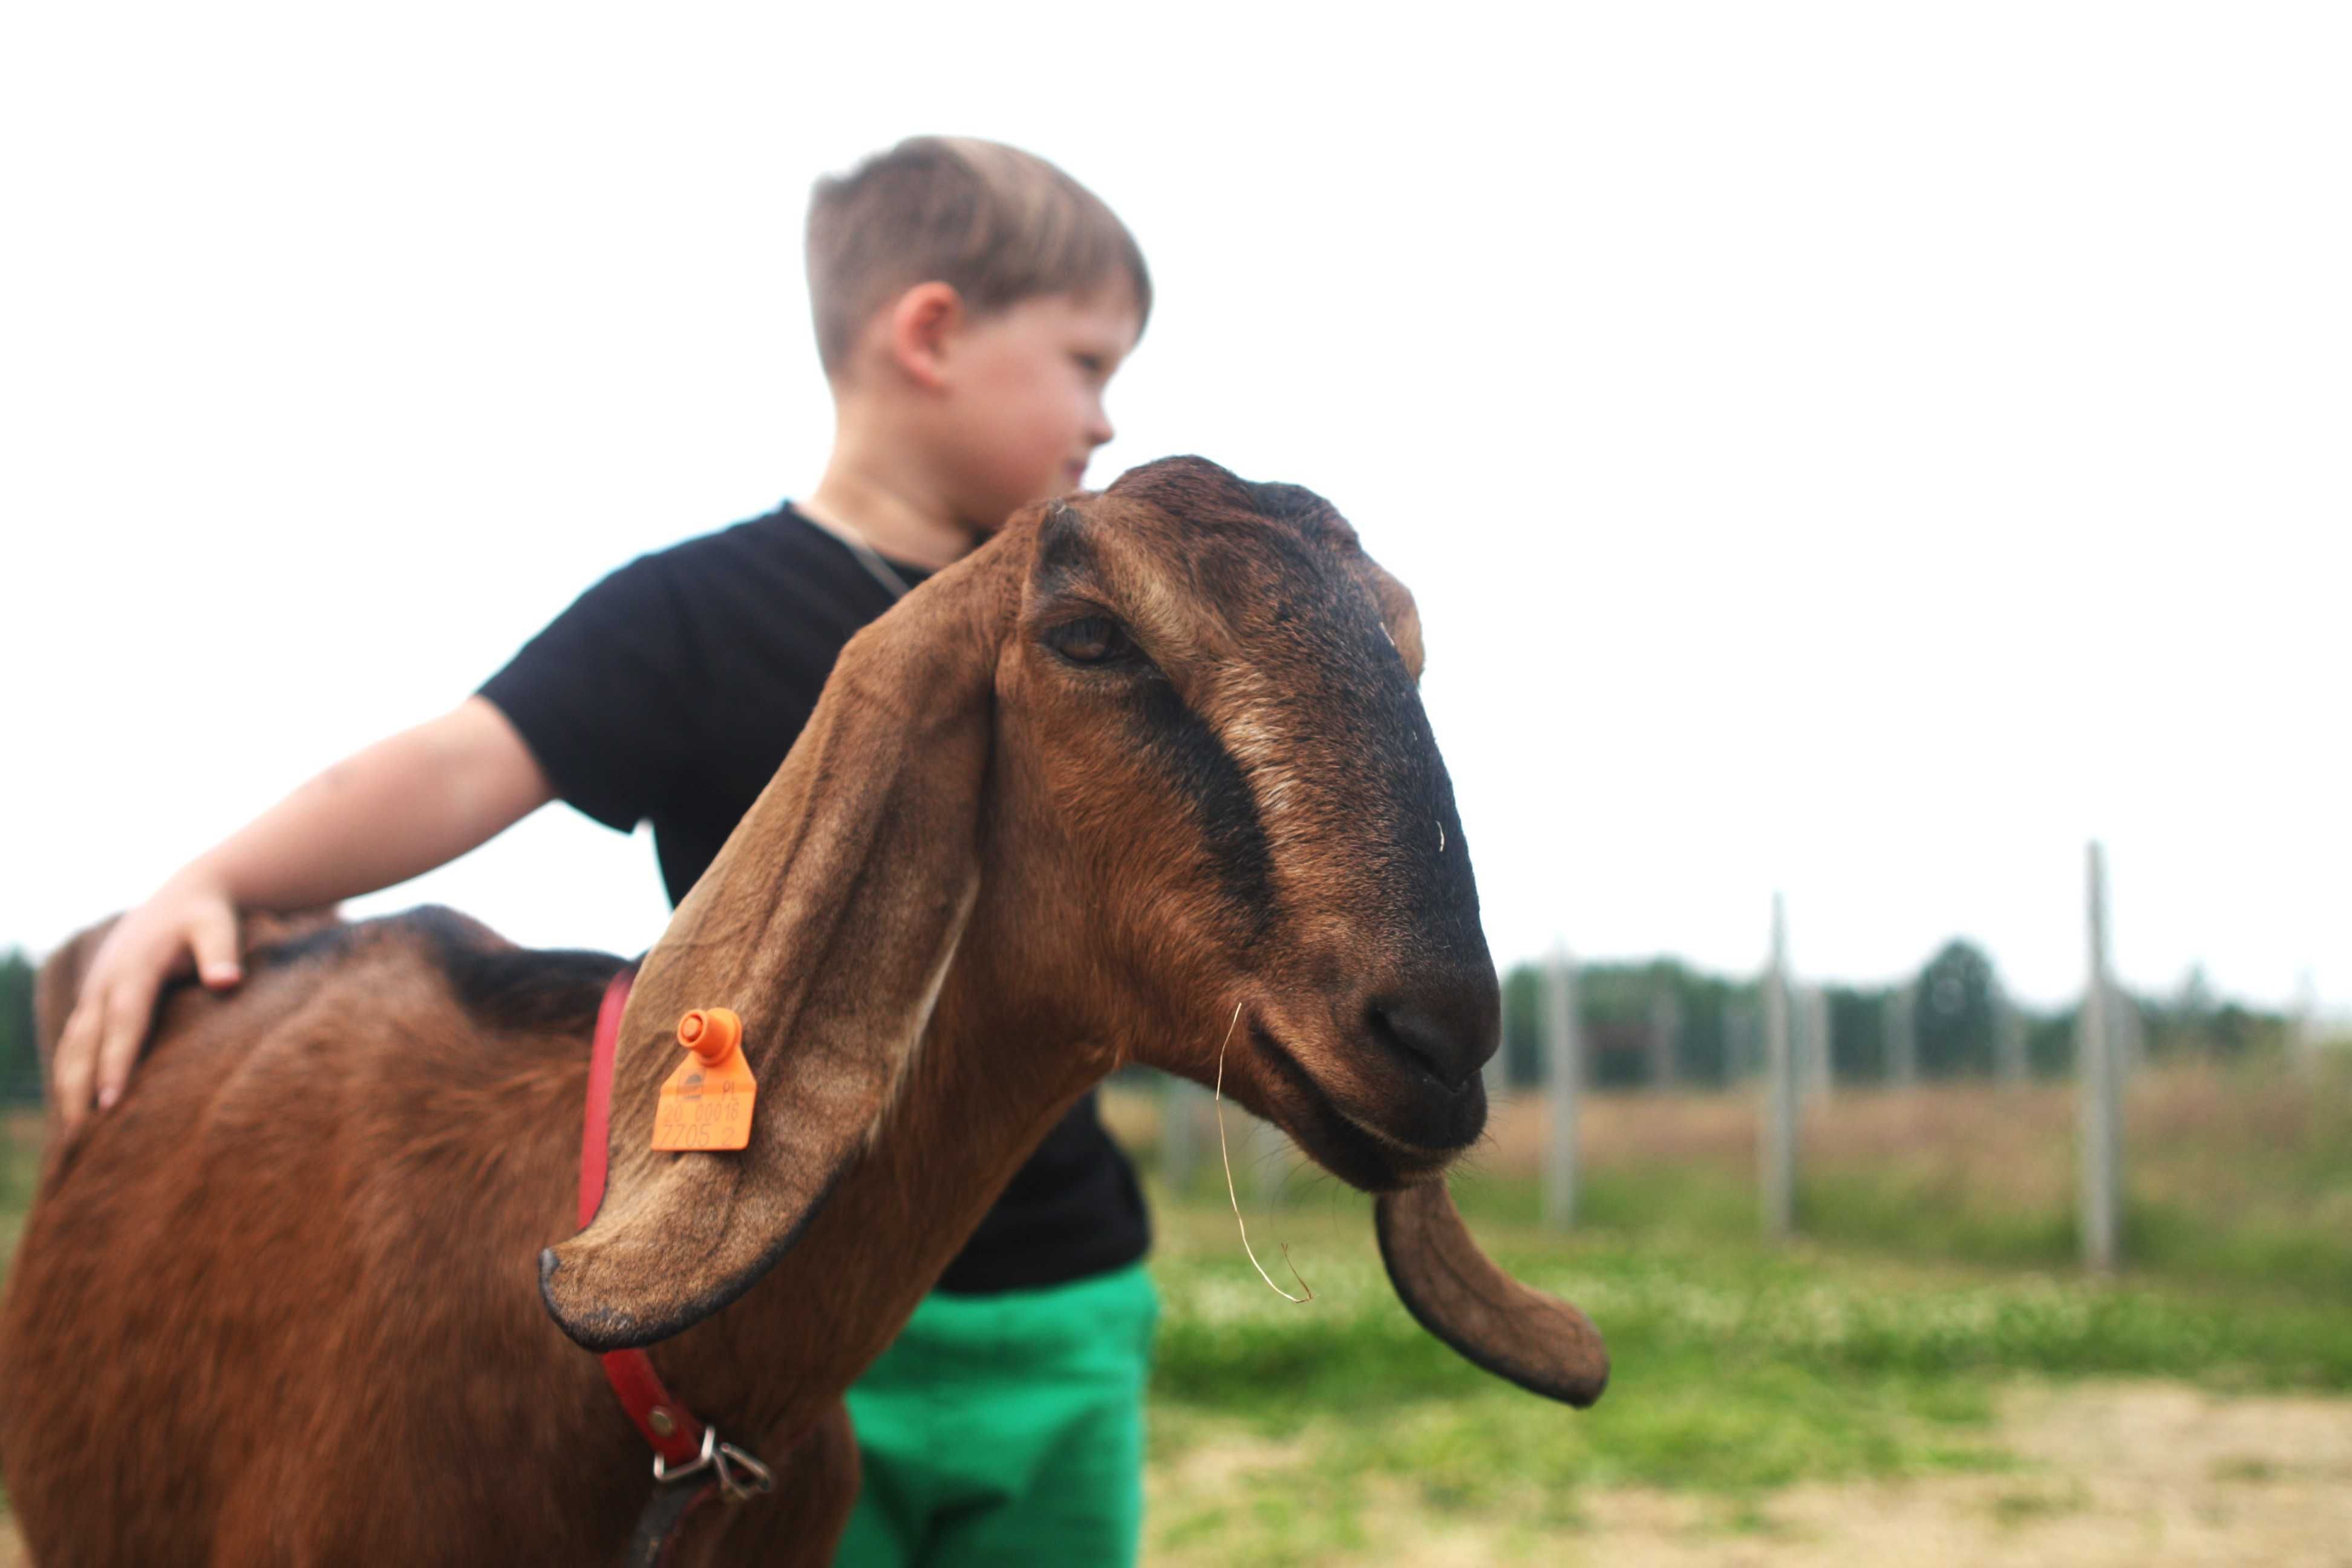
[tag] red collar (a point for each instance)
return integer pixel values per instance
(685, 1447)
(673, 1430)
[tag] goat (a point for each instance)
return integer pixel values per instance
(1148, 772)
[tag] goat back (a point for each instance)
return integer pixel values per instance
(281, 1303)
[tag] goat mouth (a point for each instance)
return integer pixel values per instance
(1358, 1154)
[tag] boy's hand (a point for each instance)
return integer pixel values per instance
(406, 804)
(189, 919)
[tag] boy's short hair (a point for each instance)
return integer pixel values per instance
(999, 225)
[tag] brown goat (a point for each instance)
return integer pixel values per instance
(1150, 761)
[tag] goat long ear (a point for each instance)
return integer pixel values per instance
(1456, 1292)
(828, 923)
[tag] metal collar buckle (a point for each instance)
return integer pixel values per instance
(739, 1474)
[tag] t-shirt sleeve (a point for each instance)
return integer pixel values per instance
(599, 696)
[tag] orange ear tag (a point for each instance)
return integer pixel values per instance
(707, 1103)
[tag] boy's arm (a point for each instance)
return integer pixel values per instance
(399, 808)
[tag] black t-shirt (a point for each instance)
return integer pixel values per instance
(671, 692)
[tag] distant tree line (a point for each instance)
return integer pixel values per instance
(20, 1062)
(1713, 1025)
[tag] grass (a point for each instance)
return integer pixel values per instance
(1719, 1384)
(20, 1170)
(20, 1167)
(1735, 1367)
(1287, 1434)
(1874, 1349)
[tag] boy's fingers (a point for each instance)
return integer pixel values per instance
(76, 1058)
(128, 1008)
(214, 940)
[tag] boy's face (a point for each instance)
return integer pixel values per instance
(1024, 409)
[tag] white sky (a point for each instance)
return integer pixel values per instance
(1859, 450)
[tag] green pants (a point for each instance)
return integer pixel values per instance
(1007, 1429)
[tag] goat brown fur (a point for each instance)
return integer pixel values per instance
(305, 1295)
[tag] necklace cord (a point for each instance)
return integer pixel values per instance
(881, 570)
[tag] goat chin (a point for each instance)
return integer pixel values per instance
(1456, 1292)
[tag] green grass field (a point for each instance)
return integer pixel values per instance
(1876, 1349)
(20, 1163)
(1735, 1370)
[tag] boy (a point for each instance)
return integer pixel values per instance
(972, 303)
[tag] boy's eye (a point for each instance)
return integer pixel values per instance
(1093, 639)
(1091, 363)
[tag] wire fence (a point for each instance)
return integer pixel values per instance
(1786, 1048)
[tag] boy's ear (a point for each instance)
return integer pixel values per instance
(1399, 615)
(920, 324)
(828, 923)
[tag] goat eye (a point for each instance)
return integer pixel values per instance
(1092, 639)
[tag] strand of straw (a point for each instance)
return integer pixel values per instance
(1233, 1198)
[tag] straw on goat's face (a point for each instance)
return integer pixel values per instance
(1218, 689)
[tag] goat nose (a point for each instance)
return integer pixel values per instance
(1451, 1047)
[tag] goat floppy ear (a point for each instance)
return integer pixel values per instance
(828, 923)
(1456, 1292)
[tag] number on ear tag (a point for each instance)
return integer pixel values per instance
(707, 1103)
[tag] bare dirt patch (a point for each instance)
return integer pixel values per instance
(2148, 1474)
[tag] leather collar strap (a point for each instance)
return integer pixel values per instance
(672, 1430)
(684, 1448)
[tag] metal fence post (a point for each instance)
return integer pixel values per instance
(1179, 1148)
(1903, 1035)
(1496, 1073)
(2099, 1088)
(1665, 1039)
(1563, 1083)
(2008, 1040)
(2303, 1046)
(1268, 1156)
(1777, 1144)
